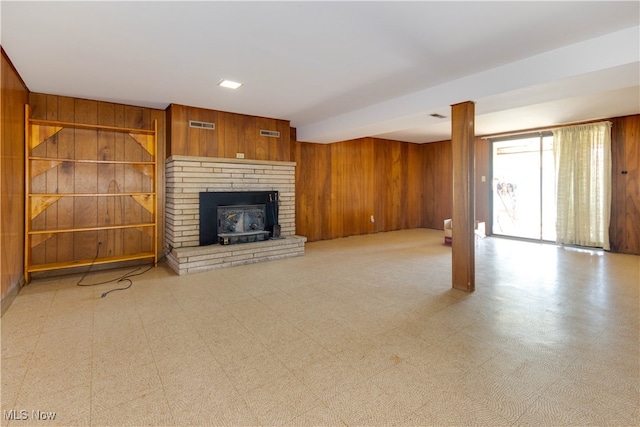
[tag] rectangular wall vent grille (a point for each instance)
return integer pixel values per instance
(270, 133)
(201, 125)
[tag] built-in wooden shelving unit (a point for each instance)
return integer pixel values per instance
(90, 194)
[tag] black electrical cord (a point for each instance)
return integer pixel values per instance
(123, 278)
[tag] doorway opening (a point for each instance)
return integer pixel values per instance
(523, 187)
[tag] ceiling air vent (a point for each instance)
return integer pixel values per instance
(201, 125)
(270, 133)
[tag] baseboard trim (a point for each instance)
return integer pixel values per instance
(11, 295)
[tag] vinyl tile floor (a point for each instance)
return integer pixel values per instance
(360, 331)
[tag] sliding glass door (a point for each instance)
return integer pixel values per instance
(524, 201)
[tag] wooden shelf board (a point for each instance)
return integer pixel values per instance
(108, 162)
(85, 262)
(97, 228)
(141, 194)
(90, 127)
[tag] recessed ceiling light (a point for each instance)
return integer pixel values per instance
(229, 84)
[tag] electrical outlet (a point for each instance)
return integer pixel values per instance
(372, 219)
(239, 155)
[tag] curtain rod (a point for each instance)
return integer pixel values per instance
(543, 129)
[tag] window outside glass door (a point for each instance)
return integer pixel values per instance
(524, 187)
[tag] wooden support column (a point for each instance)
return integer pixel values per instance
(463, 239)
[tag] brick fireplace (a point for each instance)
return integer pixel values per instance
(187, 177)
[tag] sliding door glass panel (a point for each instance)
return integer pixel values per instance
(516, 188)
(524, 187)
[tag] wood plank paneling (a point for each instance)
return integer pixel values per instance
(369, 188)
(391, 195)
(39, 182)
(339, 168)
(380, 213)
(396, 191)
(13, 96)
(106, 179)
(357, 187)
(283, 151)
(313, 190)
(264, 144)
(438, 196)
(132, 211)
(177, 127)
(618, 181)
(339, 186)
(632, 186)
(66, 175)
(85, 209)
(202, 142)
(233, 134)
(414, 185)
(271, 148)
(51, 214)
(194, 141)
(624, 232)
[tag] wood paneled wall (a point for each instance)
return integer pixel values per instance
(340, 186)
(403, 185)
(314, 198)
(14, 95)
(624, 229)
(438, 191)
(93, 178)
(233, 133)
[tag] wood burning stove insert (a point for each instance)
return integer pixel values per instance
(238, 216)
(241, 224)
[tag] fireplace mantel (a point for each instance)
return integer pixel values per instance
(187, 176)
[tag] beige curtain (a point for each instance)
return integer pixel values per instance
(582, 157)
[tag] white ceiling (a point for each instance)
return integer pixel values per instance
(340, 70)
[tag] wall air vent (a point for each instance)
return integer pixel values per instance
(201, 125)
(438, 116)
(270, 133)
